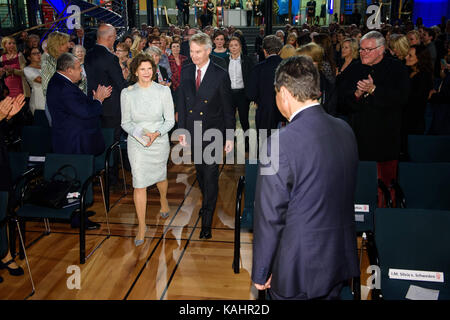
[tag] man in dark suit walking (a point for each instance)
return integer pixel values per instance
(304, 243)
(260, 88)
(102, 67)
(76, 117)
(204, 102)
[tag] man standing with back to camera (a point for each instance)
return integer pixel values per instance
(103, 68)
(204, 97)
(304, 243)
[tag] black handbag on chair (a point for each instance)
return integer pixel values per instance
(53, 193)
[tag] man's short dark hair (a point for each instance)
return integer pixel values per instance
(272, 44)
(66, 61)
(431, 33)
(300, 77)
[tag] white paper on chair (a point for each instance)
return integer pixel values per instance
(419, 293)
(416, 275)
(361, 208)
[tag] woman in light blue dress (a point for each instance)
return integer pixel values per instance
(147, 117)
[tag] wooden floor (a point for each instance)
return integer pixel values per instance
(172, 264)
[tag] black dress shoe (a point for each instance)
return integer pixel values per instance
(1, 279)
(205, 234)
(89, 225)
(89, 213)
(14, 272)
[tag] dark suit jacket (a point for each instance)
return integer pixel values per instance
(211, 104)
(262, 91)
(377, 119)
(164, 74)
(75, 118)
(184, 49)
(103, 67)
(246, 67)
(304, 230)
(88, 42)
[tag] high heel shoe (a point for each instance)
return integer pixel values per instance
(14, 272)
(164, 215)
(137, 242)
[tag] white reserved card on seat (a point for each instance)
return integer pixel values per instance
(416, 275)
(361, 208)
(419, 293)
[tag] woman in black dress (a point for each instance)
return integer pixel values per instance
(421, 77)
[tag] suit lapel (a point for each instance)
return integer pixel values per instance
(207, 80)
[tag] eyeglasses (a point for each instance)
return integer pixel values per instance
(367, 50)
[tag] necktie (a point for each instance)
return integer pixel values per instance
(199, 78)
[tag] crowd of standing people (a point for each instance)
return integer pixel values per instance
(383, 84)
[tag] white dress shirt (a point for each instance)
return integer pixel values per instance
(303, 109)
(203, 69)
(235, 71)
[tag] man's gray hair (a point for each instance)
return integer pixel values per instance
(105, 30)
(66, 61)
(201, 39)
(152, 50)
(375, 35)
(300, 77)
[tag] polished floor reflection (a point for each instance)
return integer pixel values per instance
(173, 263)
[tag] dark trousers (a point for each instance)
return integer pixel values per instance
(387, 171)
(242, 104)
(113, 122)
(208, 179)
(186, 16)
(249, 18)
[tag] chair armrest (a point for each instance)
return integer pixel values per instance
(108, 152)
(399, 195)
(386, 193)
(237, 224)
(239, 192)
(21, 184)
(84, 189)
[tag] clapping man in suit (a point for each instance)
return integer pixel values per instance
(103, 68)
(204, 97)
(76, 117)
(304, 243)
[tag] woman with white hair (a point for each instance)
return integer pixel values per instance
(80, 52)
(162, 76)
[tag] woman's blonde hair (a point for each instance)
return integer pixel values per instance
(135, 45)
(353, 46)
(287, 51)
(312, 50)
(400, 45)
(291, 35)
(5, 40)
(55, 41)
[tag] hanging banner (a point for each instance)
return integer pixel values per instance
(284, 7)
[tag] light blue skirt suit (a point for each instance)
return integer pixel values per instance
(152, 109)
